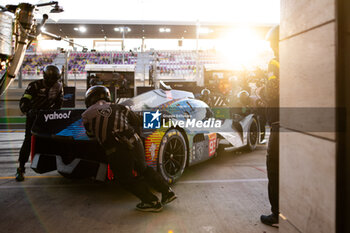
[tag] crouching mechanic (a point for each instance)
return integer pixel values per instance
(116, 129)
(42, 94)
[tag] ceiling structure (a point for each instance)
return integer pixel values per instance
(144, 29)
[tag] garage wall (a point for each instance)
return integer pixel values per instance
(308, 100)
(343, 116)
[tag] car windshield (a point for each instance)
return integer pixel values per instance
(190, 109)
(153, 99)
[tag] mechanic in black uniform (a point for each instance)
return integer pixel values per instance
(272, 101)
(117, 130)
(123, 86)
(41, 94)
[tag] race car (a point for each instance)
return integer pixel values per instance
(178, 131)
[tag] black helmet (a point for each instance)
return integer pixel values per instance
(51, 74)
(96, 93)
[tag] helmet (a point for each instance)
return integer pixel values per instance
(243, 97)
(273, 35)
(205, 92)
(96, 93)
(51, 75)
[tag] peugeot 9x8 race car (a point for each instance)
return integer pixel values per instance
(178, 131)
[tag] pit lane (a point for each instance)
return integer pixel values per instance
(225, 194)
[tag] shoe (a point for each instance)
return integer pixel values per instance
(271, 220)
(168, 197)
(154, 206)
(19, 174)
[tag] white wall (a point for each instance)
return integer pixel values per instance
(307, 150)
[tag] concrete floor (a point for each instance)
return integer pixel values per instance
(223, 195)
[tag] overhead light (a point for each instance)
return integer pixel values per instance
(203, 30)
(125, 28)
(121, 29)
(164, 30)
(82, 29)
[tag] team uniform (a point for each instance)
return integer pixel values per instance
(116, 128)
(271, 98)
(272, 159)
(37, 96)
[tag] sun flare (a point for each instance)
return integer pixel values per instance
(243, 48)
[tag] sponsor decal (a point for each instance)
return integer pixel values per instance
(152, 144)
(210, 123)
(151, 120)
(57, 116)
(106, 112)
(152, 150)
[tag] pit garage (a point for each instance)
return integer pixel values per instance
(218, 173)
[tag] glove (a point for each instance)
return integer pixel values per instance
(24, 105)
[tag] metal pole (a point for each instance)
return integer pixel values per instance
(123, 42)
(143, 44)
(20, 78)
(197, 52)
(144, 73)
(65, 77)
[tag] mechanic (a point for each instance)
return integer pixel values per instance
(122, 86)
(42, 94)
(272, 102)
(117, 130)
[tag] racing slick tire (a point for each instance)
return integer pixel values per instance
(253, 135)
(172, 156)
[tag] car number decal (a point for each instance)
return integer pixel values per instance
(212, 144)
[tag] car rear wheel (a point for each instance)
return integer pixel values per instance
(172, 156)
(253, 135)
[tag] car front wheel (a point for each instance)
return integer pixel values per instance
(172, 155)
(253, 135)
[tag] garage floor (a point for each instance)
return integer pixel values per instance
(223, 195)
